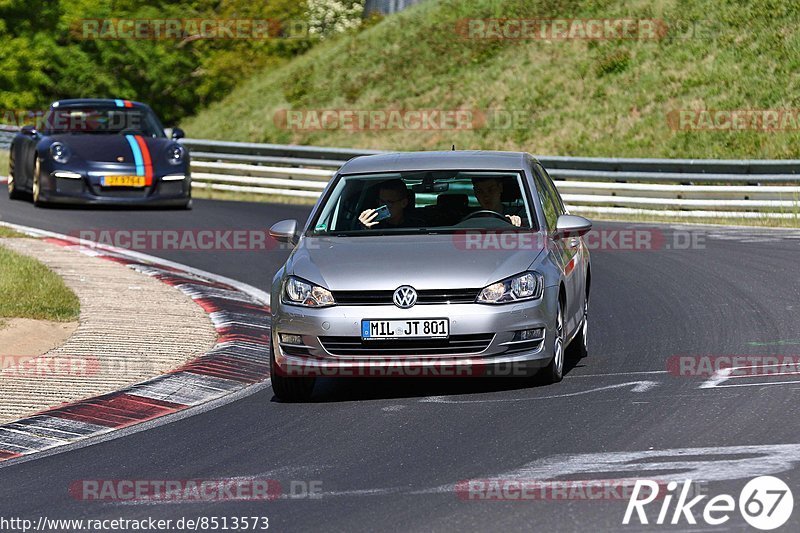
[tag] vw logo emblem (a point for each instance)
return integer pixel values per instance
(404, 297)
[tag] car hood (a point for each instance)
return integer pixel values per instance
(109, 148)
(424, 262)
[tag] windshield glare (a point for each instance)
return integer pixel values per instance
(103, 120)
(427, 201)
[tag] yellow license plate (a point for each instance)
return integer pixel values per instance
(123, 181)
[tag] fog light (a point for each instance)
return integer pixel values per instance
(288, 338)
(529, 334)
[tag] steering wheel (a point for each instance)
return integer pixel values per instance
(485, 213)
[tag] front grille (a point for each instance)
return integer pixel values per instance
(455, 345)
(299, 351)
(121, 192)
(428, 296)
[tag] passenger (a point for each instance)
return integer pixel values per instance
(489, 192)
(393, 194)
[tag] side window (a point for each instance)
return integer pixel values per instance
(549, 202)
(551, 188)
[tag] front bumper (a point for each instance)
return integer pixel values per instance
(498, 323)
(87, 190)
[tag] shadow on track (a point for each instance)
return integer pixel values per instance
(382, 388)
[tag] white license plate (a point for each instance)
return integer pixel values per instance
(429, 328)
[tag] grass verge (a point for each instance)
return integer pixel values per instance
(725, 221)
(3, 162)
(210, 194)
(8, 232)
(28, 289)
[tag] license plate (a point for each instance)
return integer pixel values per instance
(123, 181)
(431, 328)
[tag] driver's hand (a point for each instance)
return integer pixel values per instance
(517, 221)
(367, 216)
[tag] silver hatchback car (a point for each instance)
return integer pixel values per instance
(459, 263)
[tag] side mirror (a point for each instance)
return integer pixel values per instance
(29, 130)
(178, 133)
(572, 226)
(285, 231)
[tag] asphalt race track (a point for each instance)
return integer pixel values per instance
(387, 454)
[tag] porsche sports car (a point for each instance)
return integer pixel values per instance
(427, 262)
(100, 151)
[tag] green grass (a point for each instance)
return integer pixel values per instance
(760, 222)
(8, 232)
(579, 98)
(3, 163)
(209, 194)
(28, 289)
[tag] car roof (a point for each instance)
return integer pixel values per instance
(77, 102)
(446, 160)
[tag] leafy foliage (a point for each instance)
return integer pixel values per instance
(45, 54)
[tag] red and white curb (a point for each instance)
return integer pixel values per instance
(240, 359)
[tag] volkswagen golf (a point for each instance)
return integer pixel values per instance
(458, 263)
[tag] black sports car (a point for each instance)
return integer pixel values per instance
(93, 151)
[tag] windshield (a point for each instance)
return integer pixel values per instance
(103, 120)
(425, 202)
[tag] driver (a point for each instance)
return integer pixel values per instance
(394, 195)
(489, 191)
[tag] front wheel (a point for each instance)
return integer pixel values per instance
(554, 372)
(13, 192)
(37, 185)
(579, 348)
(290, 389)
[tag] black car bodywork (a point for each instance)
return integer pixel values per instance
(100, 151)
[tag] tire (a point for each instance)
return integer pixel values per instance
(290, 389)
(37, 172)
(579, 348)
(554, 371)
(13, 192)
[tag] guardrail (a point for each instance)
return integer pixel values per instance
(656, 187)
(590, 185)
(6, 134)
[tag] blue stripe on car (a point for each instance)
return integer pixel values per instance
(137, 155)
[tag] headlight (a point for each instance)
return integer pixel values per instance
(298, 292)
(525, 286)
(60, 152)
(176, 154)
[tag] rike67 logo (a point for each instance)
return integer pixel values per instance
(765, 503)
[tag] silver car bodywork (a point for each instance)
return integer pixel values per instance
(363, 272)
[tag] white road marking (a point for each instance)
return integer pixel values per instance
(615, 374)
(638, 386)
(719, 463)
(725, 374)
